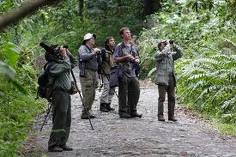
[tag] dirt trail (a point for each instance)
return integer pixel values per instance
(189, 137)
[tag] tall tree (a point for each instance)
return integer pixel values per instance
(151, 6)
(81, 7)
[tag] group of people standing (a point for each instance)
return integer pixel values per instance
(117, 66)
(120, 58)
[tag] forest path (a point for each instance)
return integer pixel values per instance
(191, 136)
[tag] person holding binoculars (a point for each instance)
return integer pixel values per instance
(88, 66)
(165, 76)
(125, 56)
(58, 67)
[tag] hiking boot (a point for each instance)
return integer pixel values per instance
(87, 116)
(125, 115)
(135, 114)
(66, 148)
(161, 118)
(103, 107)
(109, 108)
(55, 149)
(172, 119)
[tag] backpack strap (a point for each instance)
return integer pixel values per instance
(122, 45)
(47, 67)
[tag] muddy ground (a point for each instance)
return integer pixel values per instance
(191, 136)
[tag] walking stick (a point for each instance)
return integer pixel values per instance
(77, 88)
(46, 116)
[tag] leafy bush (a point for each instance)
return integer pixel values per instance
(17, 99)
(209, 84)
(17, 116)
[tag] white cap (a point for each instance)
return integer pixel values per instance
(89, 36)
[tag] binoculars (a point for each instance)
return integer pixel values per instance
(170, 42)
(53, 49)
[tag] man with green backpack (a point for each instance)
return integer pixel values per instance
(61, 62)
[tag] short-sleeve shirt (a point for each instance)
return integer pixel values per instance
(122, 50)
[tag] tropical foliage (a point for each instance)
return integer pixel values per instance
(204, 28)
(17, 99)
(206, 32)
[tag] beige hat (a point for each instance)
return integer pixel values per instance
(89, 36)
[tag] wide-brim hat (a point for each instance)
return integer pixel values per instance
(89, 36)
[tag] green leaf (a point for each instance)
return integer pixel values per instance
(19, 87)
(7, 71)
(151, 72)
(11, 53)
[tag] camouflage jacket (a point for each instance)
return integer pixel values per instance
(165, 64)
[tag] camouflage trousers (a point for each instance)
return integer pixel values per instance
(88, 86)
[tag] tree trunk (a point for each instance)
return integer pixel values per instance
(81, 7)
(151, 6)
(27, 8)
(156, 5)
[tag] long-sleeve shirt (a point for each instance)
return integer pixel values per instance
(107, 61)
(165, 63)
(86, 56)
(60, 73)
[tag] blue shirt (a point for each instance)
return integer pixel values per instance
(123, 50)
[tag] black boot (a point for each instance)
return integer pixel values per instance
(135, 114)
(109, 108)
(103, 107)
(66, 148)
(171, 112)
(172, 119)
(55, 149)
(87, 115)
(161, 118)
(124, 115)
